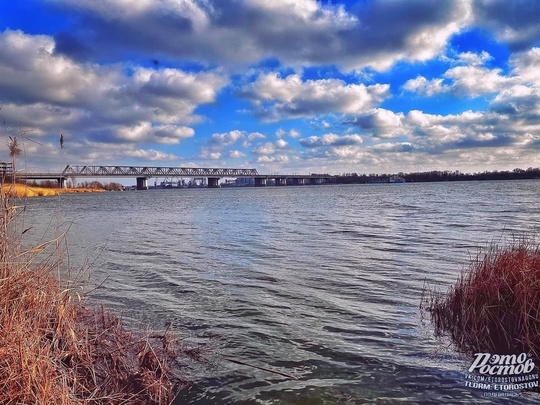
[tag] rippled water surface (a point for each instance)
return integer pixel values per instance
(319, 282)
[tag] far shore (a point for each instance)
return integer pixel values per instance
(23, 190)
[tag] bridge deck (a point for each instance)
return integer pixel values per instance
(150, 172)
(146, 171)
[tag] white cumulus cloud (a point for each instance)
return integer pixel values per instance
(290, 97)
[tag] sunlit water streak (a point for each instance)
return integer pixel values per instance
(323, 282)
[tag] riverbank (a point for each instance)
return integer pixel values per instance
(54, 348)
(23, 190)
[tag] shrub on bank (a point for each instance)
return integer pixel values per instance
(495, 305)
(56, 350)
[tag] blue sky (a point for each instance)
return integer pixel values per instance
(377, 86)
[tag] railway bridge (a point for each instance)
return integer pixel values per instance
(143, 173)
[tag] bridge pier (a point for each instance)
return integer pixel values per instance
(297, 181)
(260, 182)
(213, 182)
(61, 182)
(281, 181)
(142, 183)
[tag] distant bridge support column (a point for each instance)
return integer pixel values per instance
(142, 183)
(213, 182)
(260, 182)
(280, 181)
(298, 181)
(61, 182)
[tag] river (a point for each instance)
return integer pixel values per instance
(319, 282)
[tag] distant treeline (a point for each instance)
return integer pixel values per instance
(436, 175)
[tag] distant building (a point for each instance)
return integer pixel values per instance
(6, 171)
(239, 182)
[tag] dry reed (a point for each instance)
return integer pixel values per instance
(495, 305)
(24, 190)
(56, 350)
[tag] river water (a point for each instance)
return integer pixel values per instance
(319, 282)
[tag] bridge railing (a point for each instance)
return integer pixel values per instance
(145, 171)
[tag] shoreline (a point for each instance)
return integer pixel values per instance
(54, 347)
(23, 190)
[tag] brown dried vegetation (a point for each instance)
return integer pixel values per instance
(56, 350)
(495, 305)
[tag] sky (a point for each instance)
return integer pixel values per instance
(283, 86)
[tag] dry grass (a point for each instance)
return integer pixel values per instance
(56, 350)
(23, 190)
(495, 305)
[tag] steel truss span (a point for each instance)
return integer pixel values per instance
(145, 171)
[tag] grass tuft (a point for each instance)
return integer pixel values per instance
(494, 306)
